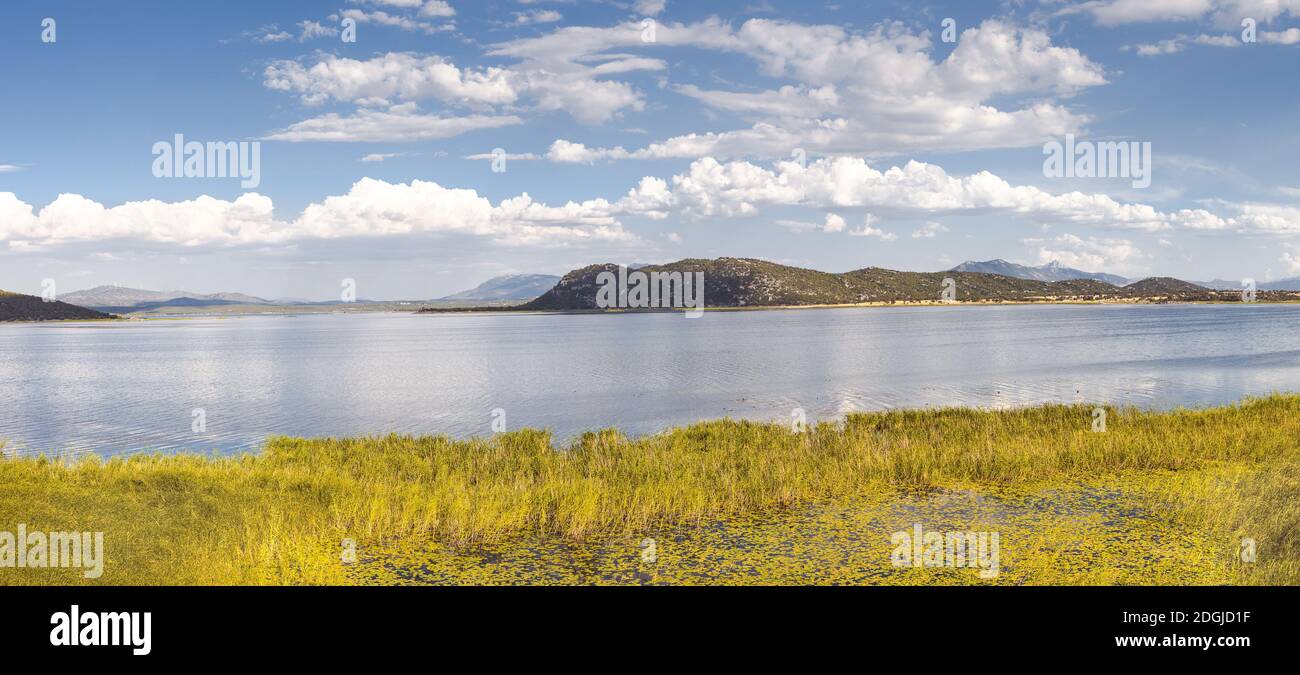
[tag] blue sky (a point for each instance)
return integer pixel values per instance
(639, 132)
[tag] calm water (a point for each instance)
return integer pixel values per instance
(122, 387)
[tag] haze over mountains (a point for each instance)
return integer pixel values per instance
(785, 285)
(508, 287)
(121, 298)
(1052, 271)
(1055, 271)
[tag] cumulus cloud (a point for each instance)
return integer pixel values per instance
(1291, 261)
(1242, 218)
(1090, 253)
(371, 208)
(406, 77)
(650, 7)
(709, 187)
(873, 92)
(413, 78)
(930, 230)
(868, 229)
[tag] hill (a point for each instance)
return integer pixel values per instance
(1166, 286)
(509, 287)
(748, 282)
(123, 299)
(19, 307)
(1052, 271)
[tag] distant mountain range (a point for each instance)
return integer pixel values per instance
(1052, 271)
(123, 299)
(1288, 284)
(747, 282)
(19, 307)
(741, 282)
(1055, 271)
(509, 287)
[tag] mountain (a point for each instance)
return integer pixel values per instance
(1287, 284)
(1220, 284)
(509, 287)
(1163, 286)
(747, 282)
(18, 307)
(1052, 271)
(122, 299)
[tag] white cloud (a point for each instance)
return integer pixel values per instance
(833, 223)
(706, 189)
(537, 16)
(381, 156)
(1243, 218)
(1225, 13)
(709, 187)
(874, 92)
(383, 18)
(1178, 43)
(1289, 36)
(650, 7)
(869, 230)
(398, 123)
(427, 7)
(310, 30)
(371, 208)
(437, 8)
(393, 75)
(409, 77)
(273, 36)
(1291, 261)
(930, 230)
(1091, 253)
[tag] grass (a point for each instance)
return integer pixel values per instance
(279, 517)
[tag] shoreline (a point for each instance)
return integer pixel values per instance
(860, 305)
(1219, 473)
(288, 311)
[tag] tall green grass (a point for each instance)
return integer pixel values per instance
(280, 516)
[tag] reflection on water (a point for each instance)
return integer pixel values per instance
(127, 386)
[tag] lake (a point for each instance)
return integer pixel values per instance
(127, 386)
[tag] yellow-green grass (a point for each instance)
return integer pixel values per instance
(1218, 475)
